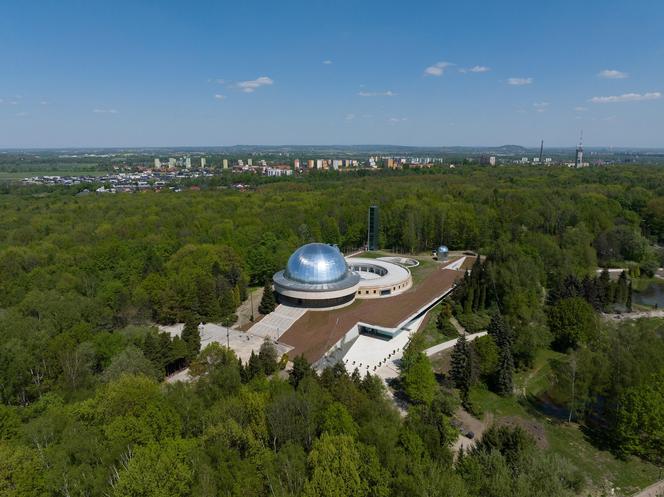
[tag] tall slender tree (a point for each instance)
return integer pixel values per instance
(462, 367)
(268, 302)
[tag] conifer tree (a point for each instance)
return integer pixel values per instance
(505, 375)
(192, 338)
(462, 367)
(268, 302)
(502, 335)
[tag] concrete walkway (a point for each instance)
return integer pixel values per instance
(629, 316)
(451, 343)
(654, 490)
(244, 312)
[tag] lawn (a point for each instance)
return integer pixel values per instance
(567, 439)
(429, 334)
(427, 264)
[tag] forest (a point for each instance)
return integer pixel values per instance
(84, 280)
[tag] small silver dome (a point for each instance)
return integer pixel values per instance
(316, 263)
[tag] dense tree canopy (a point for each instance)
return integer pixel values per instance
(84, 281)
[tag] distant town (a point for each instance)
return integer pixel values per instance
(116, 171)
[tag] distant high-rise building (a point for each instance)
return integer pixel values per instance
(310, 164)
(224, 163)
(250, 162)
(296, 163)
(487, 160)
(187, 162)
(391, 164)
(578, 160)
(373, 228)
(203, 162)
(157, 164)
(172, 162)
(319, 163)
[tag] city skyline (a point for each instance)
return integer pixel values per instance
(208, 74)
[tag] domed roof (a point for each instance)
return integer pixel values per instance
(316, 263)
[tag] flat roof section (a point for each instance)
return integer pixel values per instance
(315, 332)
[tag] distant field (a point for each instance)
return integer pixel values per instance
(17, 175)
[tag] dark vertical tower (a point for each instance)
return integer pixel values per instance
(578, 161)
(541, 151)
(372, 236)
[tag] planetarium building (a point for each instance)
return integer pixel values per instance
(318, 276)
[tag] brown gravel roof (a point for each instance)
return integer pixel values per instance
(316, 331)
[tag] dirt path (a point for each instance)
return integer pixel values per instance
(457, 325)
(469, 423)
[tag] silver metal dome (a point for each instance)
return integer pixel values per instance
(316, 263)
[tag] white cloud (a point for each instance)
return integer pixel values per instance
(251, 85)
(13, 102)
(476, 69)
(520, 81)
(437, 69)
(327, 62)
(350, 117)
(388, 93)
(612, 74)
(218, 96)
(627, 97)
(1, 100)
(21, 114)
(581, 109)
(104, 111)
(541, 106)
(43, 102)
(394, 120)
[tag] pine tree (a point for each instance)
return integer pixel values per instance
(500, 332)
(502, 335)
(505, 376)
(192, 337)
(462, 367)
(253, 367)
(268, 302)
(301, 369)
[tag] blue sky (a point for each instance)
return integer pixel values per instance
(176, 73)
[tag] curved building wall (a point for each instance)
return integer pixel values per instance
(380, 278)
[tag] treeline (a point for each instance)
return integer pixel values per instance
(308, 435)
